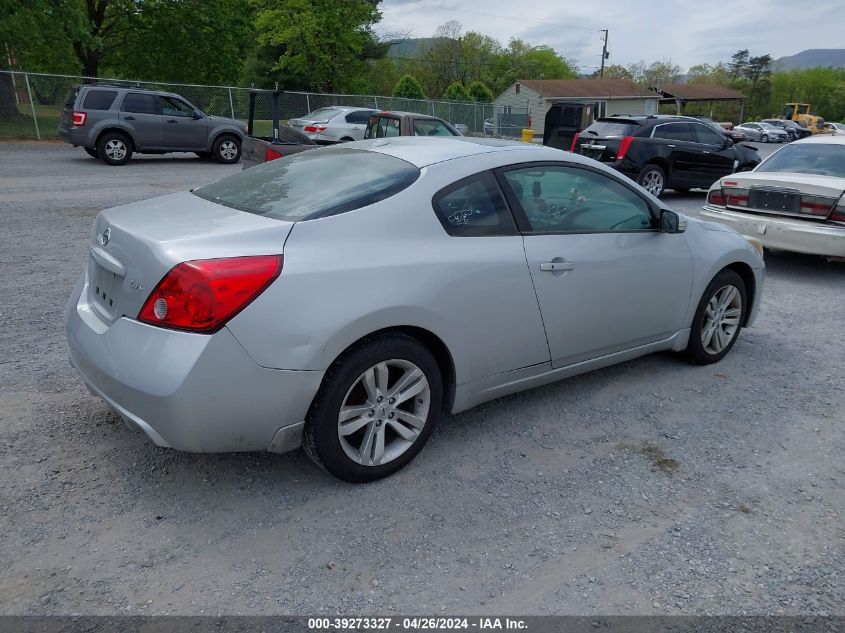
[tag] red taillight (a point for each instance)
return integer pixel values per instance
(736, 197)
(79, 118)
(623, 147)
(314, 128)
(575, 141)
(815, 205)
(716, 198)
(838, 214)
(203, 294)
(271, 154)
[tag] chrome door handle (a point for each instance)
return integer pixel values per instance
(705, 151)
(129, 118)
(553, 266)
(171, 120)
(671, 145)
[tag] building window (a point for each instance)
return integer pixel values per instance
(517, 88)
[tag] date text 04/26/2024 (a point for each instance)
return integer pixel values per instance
(416, 623)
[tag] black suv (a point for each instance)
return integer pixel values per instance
(664, 152)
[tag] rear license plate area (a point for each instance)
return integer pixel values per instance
(775, 201)
(104, 289)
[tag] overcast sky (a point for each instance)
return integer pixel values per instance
(686, 31)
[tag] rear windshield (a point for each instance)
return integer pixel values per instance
(70, 97)
(808, 158)
(605, 129)
(313, 184)
(99, 99)
(323, 114)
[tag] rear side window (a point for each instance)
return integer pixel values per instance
(431, 127)
(474, 207)
(139, 103)
(380, 127)
(70, 97)
(674, 132)
(359, 117)
(607, 129)
(313, 184)
(99, 99)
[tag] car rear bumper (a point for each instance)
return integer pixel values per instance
(782, 233)
(74, 135)
(191, 392)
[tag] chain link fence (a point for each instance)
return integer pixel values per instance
(31, 104)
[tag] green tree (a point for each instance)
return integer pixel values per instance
(615, 71)
(198, 41)
(478, 91)
(455, 91)
(521, 60)
(408, 88)
(324, 42)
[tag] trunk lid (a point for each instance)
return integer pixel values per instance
(134, 246)
(798, 195)
(601, 140)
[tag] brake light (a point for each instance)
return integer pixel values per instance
(271, 154)
(203, 294)
(623, 147)
(838, 214)
(79, 118)
(815, 205)
(314, 128)
(716, 198)
(575, 141)
(735, 197)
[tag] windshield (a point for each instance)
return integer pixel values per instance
(313, 184)
(808, 158)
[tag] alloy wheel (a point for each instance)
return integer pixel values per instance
(721, 319)
(116, 149)
(228, 150)
(653, 182)
(384, 412)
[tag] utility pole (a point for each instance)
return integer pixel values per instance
(604, 53)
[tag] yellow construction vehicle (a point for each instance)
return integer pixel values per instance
(800, 113)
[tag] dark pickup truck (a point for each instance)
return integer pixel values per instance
(386, 124)
(284, 139)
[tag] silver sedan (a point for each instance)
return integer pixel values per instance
(346, 298)
(335, 124)
(763, 132)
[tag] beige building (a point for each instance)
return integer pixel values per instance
(533, 98)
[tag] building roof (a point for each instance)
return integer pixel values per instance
(587, 88)
(698, 92)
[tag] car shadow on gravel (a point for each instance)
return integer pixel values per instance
(793, 266)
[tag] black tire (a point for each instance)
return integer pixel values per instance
(321, 440)
(114, 148)
(653, 179)
(764, 138)
(696, 348)
(91, 152)
(346, 139)
(203, 155)
(226, 149)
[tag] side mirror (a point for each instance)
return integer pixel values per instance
(671, 222)
(728, 142)
(198, 115)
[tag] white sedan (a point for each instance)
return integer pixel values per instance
(793, 201)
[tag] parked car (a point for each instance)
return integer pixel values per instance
(793, 201)
(462, 128)
(763, 132)
(663, 152)
(489, 126)
(835, 128)
(349, 312)
(384, 124)
(112, 122)
(793, 130)
(735, 135)
(335, 124)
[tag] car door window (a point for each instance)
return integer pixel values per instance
(386, 127)
(358, 117)
(175, 107)
(99, 99)
(139, 103)
(674, 132)
(431, 127)
(474, 207)
(708, 136)
(563, 199)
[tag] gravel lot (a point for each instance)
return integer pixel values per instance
(651, 487)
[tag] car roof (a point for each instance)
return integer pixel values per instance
(423, 151)
(416, 115)
(823, 138)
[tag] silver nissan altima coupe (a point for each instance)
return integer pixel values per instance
(345, 298)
